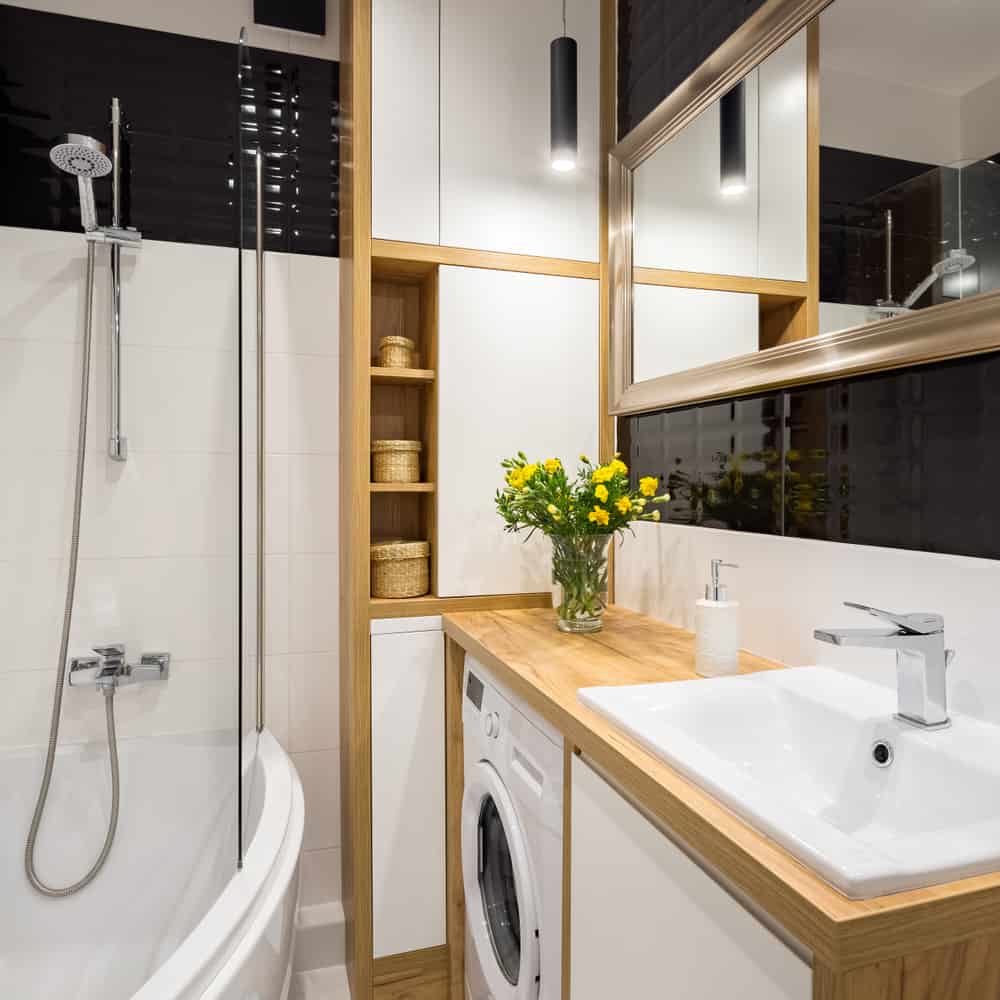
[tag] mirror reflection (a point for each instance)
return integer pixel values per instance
(852, 176)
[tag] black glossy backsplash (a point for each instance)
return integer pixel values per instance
(660, 44)
(906, 459)
(183, 106)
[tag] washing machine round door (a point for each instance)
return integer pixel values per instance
(500, 898)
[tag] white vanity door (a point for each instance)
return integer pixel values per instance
(498, 188)
(517, 370)
(405, 120)
(408, 785)
(646, 921)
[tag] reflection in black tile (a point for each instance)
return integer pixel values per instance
(720, 461)
(905, 459)
(180, 98)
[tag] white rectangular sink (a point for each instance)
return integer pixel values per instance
(792, 752)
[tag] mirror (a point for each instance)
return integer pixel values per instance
(790, 195)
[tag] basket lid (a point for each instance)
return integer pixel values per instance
(397, 342)
(398, 548)
(397, 446)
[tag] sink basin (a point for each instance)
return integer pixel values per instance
(793, 753)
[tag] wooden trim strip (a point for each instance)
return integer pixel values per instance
(454, 667)
(427, 253)
(386, 607)
(402, 487)
(413, 975)
(812, 177)
(720, 282)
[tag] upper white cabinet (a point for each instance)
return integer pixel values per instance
(517, 370)
(781, 238)
(408, 785)
(685, 221)
(646, 921)
(405, 146)
(498, 188)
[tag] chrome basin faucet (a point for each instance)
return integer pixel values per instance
(921, 660)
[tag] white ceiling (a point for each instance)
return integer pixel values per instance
(949, 46)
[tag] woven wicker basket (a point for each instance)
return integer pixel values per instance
(396, 461)
(396, 352)
(400, 569)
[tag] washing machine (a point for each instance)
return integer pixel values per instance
(512, 851)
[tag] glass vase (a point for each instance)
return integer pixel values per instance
(580, 568)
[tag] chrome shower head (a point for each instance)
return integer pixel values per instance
(957, 260)
(81, 156)
(84, 158)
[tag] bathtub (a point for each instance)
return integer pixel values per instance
(168, 918)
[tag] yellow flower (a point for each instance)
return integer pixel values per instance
(618, 466)
(598, 515)
(601, 493)
(516, 478)
(552, 508)
(529, 471)
(552, 465)
(624, 505)
(647, 485)
(602, 474)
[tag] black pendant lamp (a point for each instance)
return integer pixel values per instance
(562, 95)
(733, 141)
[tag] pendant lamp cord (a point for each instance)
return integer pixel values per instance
(564, 18)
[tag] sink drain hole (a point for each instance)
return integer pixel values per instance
(882, 753)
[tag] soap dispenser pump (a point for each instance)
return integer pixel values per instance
(717, 628)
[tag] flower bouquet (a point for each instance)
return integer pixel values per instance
(580, 515)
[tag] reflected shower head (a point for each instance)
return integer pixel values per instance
(956, 261)
(81, 156)
(84, 158)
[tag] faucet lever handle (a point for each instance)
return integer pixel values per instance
(915, 623)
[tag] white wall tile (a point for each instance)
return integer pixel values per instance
(313, 417)
(314, 496)
(313, 305)
(314, 701)
(276, 674)
(320, 774)
(313, 614)
(321, 876)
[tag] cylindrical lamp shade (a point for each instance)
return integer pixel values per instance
(733, 141)
(563, 102)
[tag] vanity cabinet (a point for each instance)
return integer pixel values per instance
(408, 784)
(517, 370)
(647, 921)
(498, 188)
(405, 85)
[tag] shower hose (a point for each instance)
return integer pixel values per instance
(109, 691)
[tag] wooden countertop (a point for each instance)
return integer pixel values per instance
(545, 667)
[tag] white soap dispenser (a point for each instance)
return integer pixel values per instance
(717, 628)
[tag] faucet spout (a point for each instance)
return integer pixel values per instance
(921, 661)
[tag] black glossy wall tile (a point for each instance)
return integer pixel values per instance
(906, 459)
(720, 462)
(181, 101)
(660, 44)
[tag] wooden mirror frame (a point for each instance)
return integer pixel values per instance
(937, 333)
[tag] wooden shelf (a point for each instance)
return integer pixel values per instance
(402, 376)
(387, 607)
(401, 487)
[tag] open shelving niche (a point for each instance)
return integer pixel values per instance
(404, 401)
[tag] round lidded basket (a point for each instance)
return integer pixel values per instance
(400, 569)
(396, 352)
(396, 461)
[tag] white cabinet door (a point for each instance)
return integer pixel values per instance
(646, 921)
(675, 329)
(783, 162)
(405, 103)
(498, 188)
(517, 360)
(408, 782)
